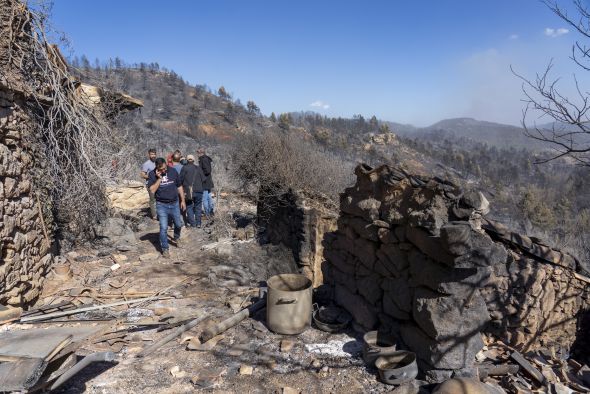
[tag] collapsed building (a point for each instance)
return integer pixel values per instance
(416, 257)
(29, 97)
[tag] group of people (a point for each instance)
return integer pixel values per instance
(180, 189)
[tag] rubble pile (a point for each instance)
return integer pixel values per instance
(415, 257)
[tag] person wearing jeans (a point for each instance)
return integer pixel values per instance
(205, 162)
(168, 211)
(208, 204)
(192, 179)
(194, 210)
(165, 183)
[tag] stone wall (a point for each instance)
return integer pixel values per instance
(26, 221)
(299, 222)
(414, 256)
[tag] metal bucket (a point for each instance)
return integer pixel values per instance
(377, 344)
(397, 368)
(288, 303)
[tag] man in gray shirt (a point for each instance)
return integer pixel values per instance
(146, 167)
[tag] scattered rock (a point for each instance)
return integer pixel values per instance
(195, 344)
(462, 386)
(290, 390)
(119, 258)
(176, 372)
(287, 345)
(246, 369)
(148, 256)
(162, 310)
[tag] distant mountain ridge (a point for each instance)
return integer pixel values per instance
(494, 134)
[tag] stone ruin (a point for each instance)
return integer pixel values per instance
(27, 220)
(26, 223)
(416, 257)
(299, 221)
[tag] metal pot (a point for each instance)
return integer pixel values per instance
(288, 304)
(330, 319)
(376, 344)
(397, 368)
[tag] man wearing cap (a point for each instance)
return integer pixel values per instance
(192, 178)
(165, 183)
(146, 167)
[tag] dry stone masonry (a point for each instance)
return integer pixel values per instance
(26, 221)
(415, 256)
(299, 222)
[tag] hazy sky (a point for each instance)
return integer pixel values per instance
(410, 62)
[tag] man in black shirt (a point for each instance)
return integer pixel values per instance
(165, 183)
(192, 178)
(205, 162)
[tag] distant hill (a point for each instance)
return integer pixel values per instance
(498, 159)
(494, 134)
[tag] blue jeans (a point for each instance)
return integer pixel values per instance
(165, 211)
(194, 209)
(208, 204)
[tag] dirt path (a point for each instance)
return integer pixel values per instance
(216, 279)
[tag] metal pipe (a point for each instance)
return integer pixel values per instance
(91, 358)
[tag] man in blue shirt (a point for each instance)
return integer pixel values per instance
(165, 183)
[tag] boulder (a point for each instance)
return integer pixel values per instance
(369, 288)
(444, 279)
(447, 316)
(456, 237)
(390, 308)
(128, 196)
(340, 259)
(476, 200)
(453, 353)
(363, 228)
(429, 245)
(466, 386)
(387, 236)
(365, 251)
(115, 232)
(399, 291)
(363, 313)
(396, 260)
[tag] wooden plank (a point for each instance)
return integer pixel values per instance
(62, 306)
(528, 367)
(85, 309)
(39, 342)
(59, 347)
(9, 314)
(21, 375)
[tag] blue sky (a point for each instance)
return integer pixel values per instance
(410, 62)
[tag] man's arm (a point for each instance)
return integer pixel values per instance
(143, 175)
(154, 187)
(154, 181)
(181, 196)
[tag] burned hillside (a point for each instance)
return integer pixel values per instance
(340, 257)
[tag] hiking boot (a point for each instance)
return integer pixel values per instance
(166, 253)
(178, 242)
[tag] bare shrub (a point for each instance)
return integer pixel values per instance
(276, 162)
(80, 145)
